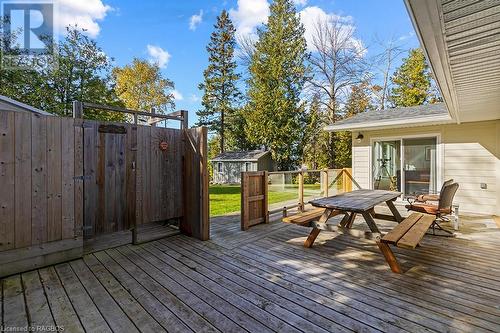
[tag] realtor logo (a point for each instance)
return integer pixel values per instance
(27, 34)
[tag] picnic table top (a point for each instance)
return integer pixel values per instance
(357, 201)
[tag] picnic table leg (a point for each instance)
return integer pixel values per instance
(394, 211)
(315, 231)
(351, 220)
(371, 223)
(389, 257)
(345, 220)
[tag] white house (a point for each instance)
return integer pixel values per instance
(416, 149)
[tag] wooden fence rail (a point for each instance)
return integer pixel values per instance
(66, 180)
(255, 198)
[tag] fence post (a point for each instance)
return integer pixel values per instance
(301, 191)
(184, 115)
(325, 182)
(348, 173)
(265, 203)
(77, 109)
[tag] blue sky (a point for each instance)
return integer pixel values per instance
(176, 39)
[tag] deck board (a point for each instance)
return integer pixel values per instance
(264, 280)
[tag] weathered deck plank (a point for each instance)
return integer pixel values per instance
(264, 280)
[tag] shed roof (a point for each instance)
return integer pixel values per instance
(10, 104)
(429, 114)
(241, 156)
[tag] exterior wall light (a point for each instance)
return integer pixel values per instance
(359, 137)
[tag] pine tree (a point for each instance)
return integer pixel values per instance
(315, 136)
(220, 91)
(412, 81)
(275, 115)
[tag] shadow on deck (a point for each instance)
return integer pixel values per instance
(263, 280)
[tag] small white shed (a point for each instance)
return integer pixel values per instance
(228, 166)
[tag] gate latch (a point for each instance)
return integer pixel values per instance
(82, 177)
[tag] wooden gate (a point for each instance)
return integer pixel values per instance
(109, 163)
(253, 199)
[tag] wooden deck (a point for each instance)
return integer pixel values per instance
(263, 280)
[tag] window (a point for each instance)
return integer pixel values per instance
(248, 166)
(219, 167)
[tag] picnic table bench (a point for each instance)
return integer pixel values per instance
(407, 234)
(305, 218)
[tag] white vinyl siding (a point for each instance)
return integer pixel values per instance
(470, 155)
(361, 165)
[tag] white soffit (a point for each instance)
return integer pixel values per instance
(461, 39)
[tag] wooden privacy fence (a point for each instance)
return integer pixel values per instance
(255, 193)
(64, 180)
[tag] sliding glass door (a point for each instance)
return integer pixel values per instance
(386, 169)
(420, 165)
(408, 165)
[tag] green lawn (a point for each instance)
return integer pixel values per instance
(226, 199)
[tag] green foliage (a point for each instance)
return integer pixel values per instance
(81, 71)
(315, 137)
(411, 81)
(220, 91)
(275, 116)
(142, 87)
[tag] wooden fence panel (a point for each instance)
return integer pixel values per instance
(37, 178)
(254, 192)
(195, 221)
(7, 174)
(23, 180)
(159, 174)
(66, 179)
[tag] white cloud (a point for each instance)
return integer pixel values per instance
(409, 35)
(195, 20)
(300, 2)
(310, 16)
(177, 95)
(84, 13)
(158, 56)
(194, 98)
(248, 15)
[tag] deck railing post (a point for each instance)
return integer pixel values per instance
(301, 191)
(325, 182)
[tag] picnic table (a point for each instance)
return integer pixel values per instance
(350, 204)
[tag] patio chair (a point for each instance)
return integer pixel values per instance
(443, 208)
(432, 196)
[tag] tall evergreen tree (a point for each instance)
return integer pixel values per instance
(315, 136)
(412, 81)
(220, 91)
(275, 116)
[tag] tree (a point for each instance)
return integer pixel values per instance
(337, 64)
(142, 87)
(412, 81)
(220, 91)
(384, 63)
(359, 101)
(275, 114)
(80, 71)
(314, 138)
